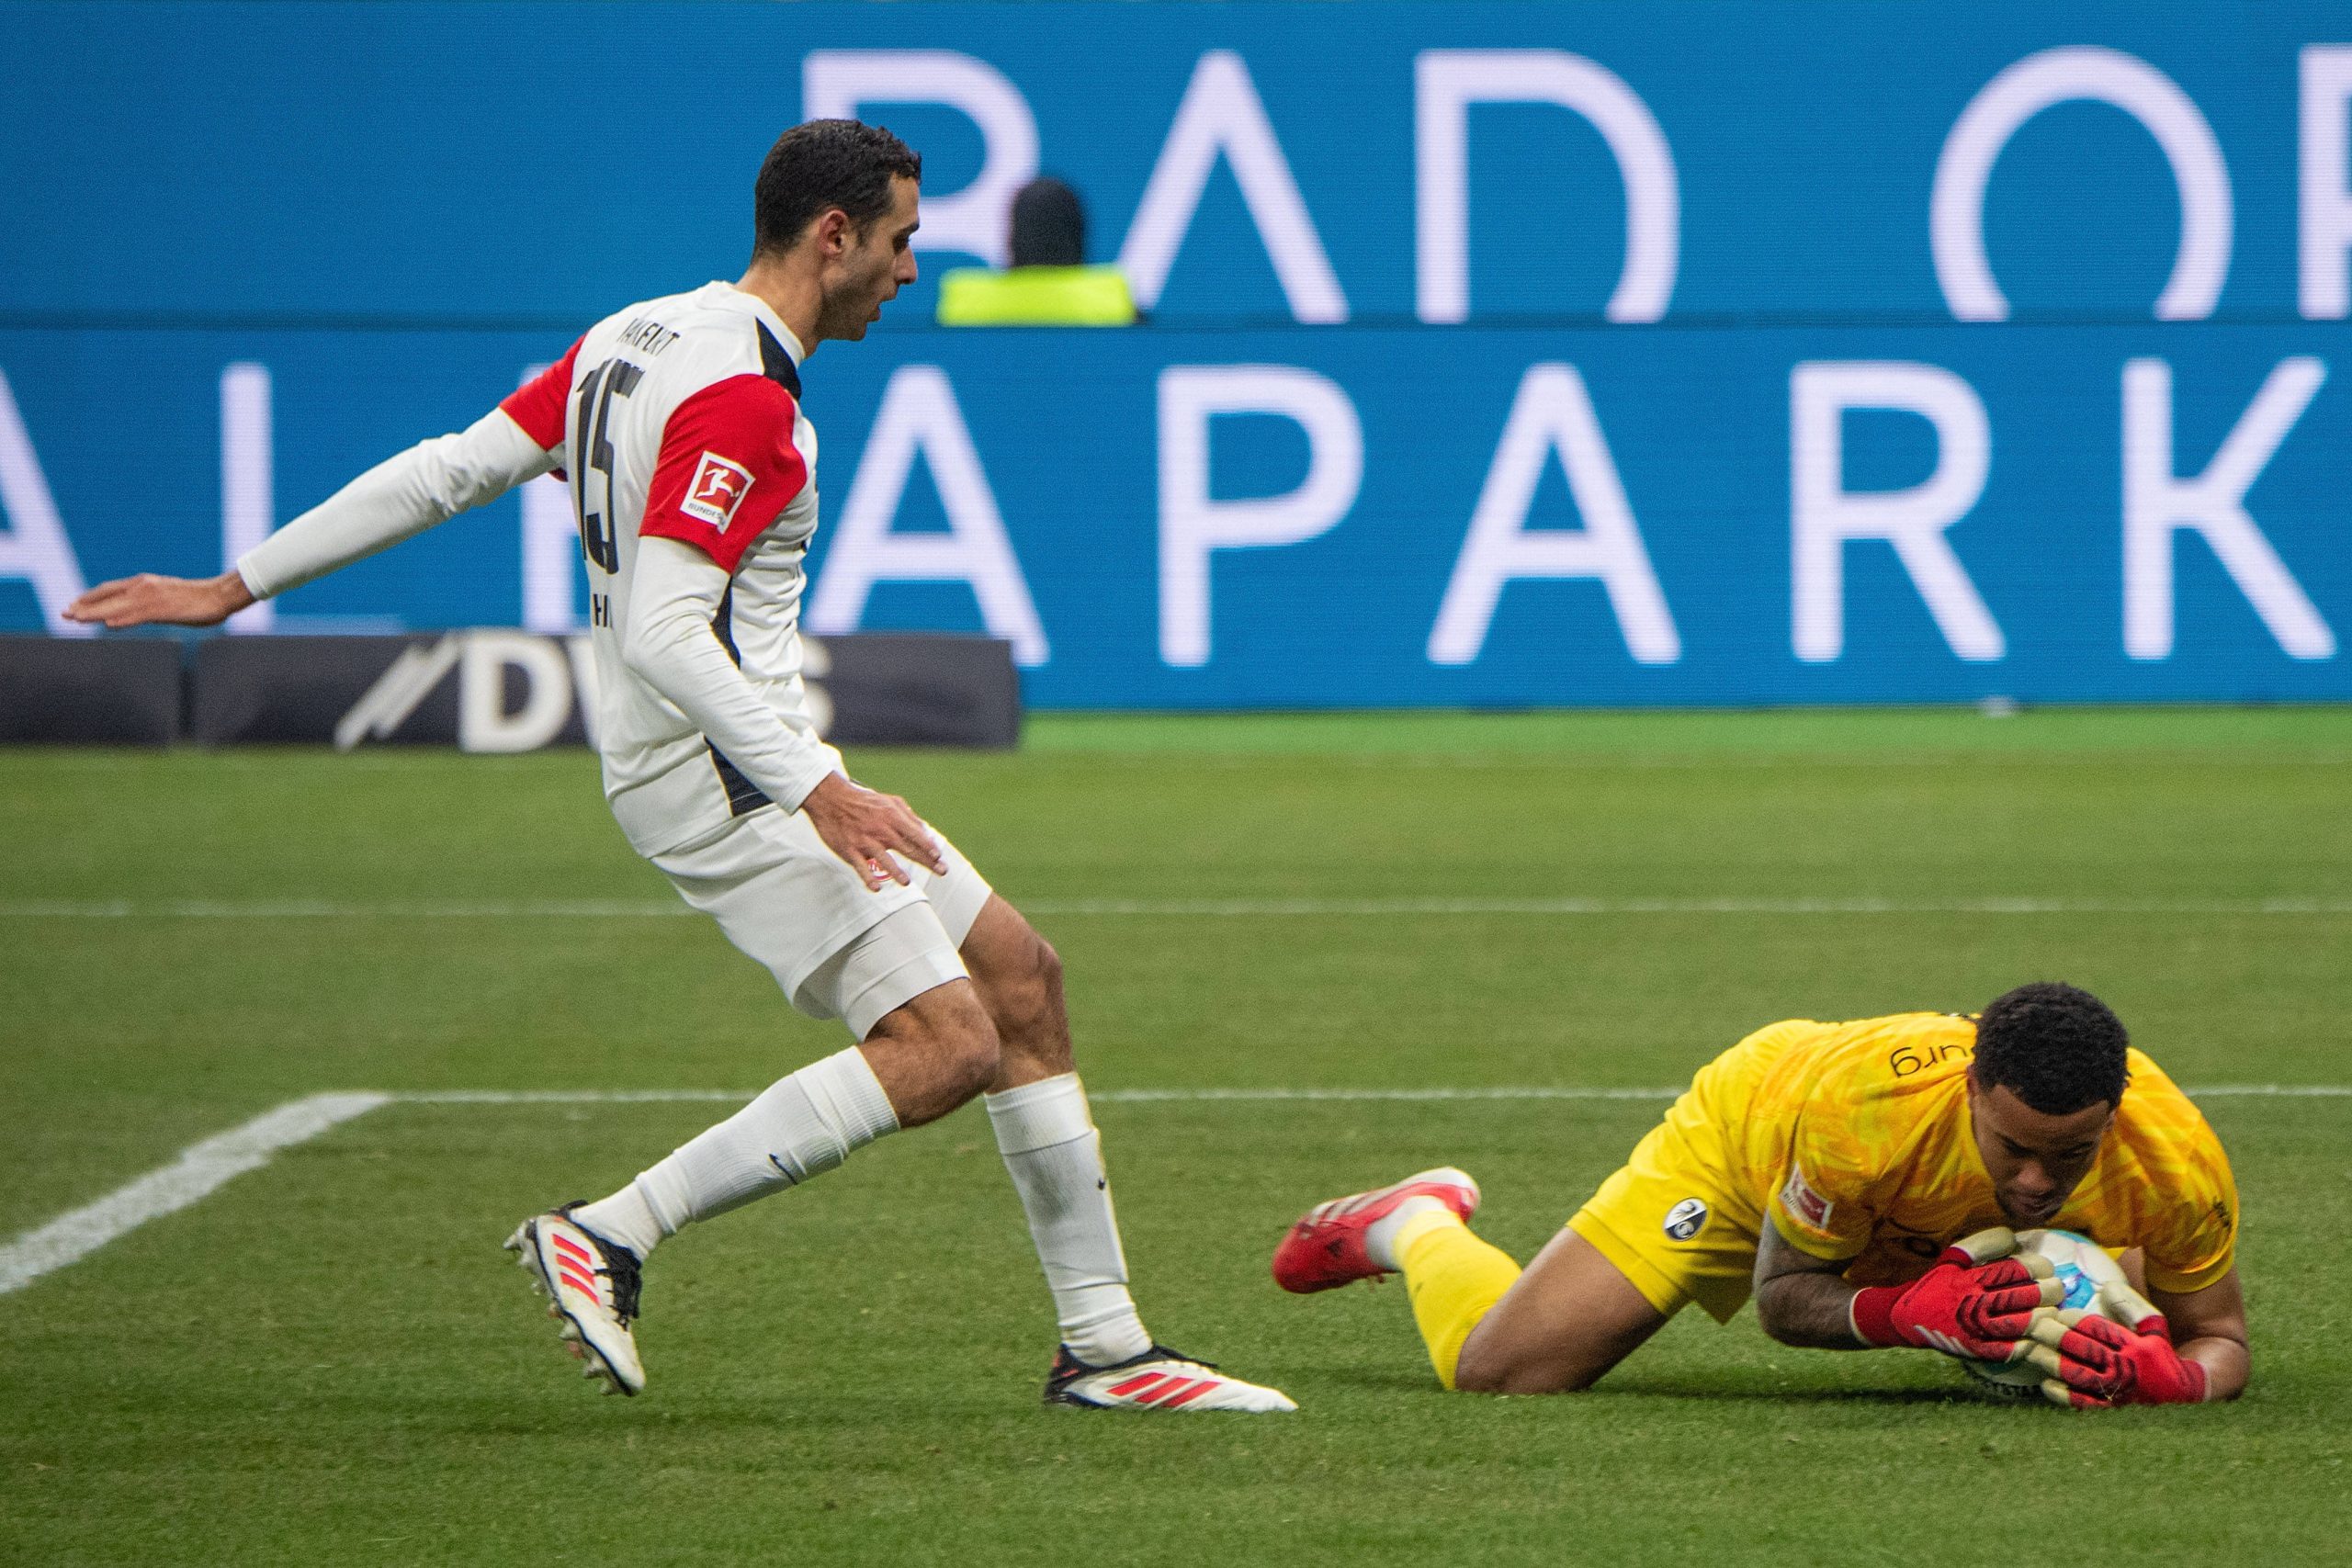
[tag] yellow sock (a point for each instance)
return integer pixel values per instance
(1453, 1278)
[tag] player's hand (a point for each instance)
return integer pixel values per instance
(2095, 1364)
(1987, 1245)
(150, 600)
(1961, 1307)
(869, 829)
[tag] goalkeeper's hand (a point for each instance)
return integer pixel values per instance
(2095, 1364)
(1976, 1301)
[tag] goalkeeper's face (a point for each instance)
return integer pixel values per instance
(2035, 1159)
(872, 267)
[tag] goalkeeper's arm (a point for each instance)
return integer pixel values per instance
(401, 497)
(2209, 1326)
(1801, 1299)
(1977, 1300)
(2169, 1349)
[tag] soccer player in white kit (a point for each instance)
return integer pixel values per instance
(678, 424)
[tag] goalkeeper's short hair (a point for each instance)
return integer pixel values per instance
(2058, 1048)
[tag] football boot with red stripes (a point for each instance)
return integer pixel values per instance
(1159, 1378)
(592, 1285)
(1326, 1248)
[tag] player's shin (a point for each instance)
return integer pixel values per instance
(800, 1127)
(1454, 1280)
(1054, 1155)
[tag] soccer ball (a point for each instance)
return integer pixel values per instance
(2086, 1271)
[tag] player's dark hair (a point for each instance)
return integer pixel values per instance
(2057, 1048)
(824, 164)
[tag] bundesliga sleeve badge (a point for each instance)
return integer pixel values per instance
(717, 491)
(1803, 1201)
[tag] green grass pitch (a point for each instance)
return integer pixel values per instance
(329, 1361)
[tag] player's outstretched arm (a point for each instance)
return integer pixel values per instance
(396, 499)
(150, 600)
(399, 499)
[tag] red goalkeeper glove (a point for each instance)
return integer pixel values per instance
(2094, 1364)
(1962, 1306)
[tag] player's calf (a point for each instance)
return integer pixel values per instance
(1019, 976)
(1562, 1325)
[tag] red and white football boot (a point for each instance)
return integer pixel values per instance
(593, 1285)
(1326, 1248)
(1159, 1378)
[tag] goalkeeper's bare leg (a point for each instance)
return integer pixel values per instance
(1491, 1327)
(1570, 1317)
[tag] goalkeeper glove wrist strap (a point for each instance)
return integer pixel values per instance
(1873, 1317)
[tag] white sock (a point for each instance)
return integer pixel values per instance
(1049, 1145)
(800, 1127)
(1380, 1240)
(625, 1217)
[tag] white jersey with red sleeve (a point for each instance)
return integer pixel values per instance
(678, 425)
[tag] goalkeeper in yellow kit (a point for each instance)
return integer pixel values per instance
(1832, 1170)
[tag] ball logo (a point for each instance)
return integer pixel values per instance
(1683, 1221)
(718, 487)
(2080, 1287)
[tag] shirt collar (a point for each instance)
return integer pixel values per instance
(769, 319)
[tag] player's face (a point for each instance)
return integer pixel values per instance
(2035, 1160)
(873, 267)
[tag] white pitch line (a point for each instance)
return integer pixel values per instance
(1099, 1097)
(1169, 1096)
(1246, 907)
(201, 1167)
(335, 909)
(568, 1096)
(1558, 761)
(2271, 1091)
(629, 909)
(1212, 1095)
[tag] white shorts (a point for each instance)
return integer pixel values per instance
(837, 950)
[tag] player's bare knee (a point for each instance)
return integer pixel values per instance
(1050, 980)
(1036, 992)
(978, 1057)
(1521, 1375)
(1047, 976)
(964, 1040)
(1503, 1362)
(1024, 997)
(936, 1051)
(1477, 1369)
(1475, 1377)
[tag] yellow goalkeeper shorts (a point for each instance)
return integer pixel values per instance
(1672, 1218)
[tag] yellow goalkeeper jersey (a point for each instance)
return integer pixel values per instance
(1857, 1140)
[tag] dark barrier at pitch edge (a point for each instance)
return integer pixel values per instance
(488, 689)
